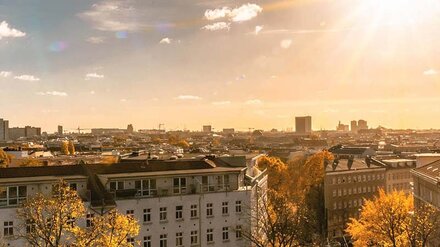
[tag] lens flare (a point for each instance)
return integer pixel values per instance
(58, 46)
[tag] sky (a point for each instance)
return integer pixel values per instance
(239, 64)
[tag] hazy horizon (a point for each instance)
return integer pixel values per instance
(235, 64)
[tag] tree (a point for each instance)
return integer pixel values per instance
(30, 162)
(71, 148)
(391, 220)
(276, 222)
(52, 220)
(5, 158)
(293, 212)
(65, 147)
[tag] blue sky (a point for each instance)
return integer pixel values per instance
(226, 63)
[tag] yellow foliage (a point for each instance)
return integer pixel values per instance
(383, 220)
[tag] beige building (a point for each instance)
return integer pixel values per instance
(398, 174)
(347, 183)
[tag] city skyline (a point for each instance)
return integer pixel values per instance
(96, 63)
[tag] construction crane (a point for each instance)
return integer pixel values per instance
(79, 129)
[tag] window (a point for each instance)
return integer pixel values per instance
(146, 187)
(209, 210)
(208, 183)
(238, 232)
(147, 215)
(163, 240)
(225, 233)
(130, 241)
(179, 212)
(70, 221)
(179, 185)
(30, 226)
(8, 228)
(130, 213)
(223, 182)
(116, 185)
(73, 186)
(334, 193)
(179, 239)
(163, 214)
(194, 237)
(238, 206)
(210, 235)
(194, 212)
(147, 241)
(12, 195)
(89, 220)
(225, 209)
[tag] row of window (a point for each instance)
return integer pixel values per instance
(399, 175)
(194, 211)
(357, 178)
(348, 204)
(147, 187)
(194, 237)
(355, 190)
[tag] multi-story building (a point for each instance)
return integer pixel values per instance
(353, 126)
(194, 202)
(27, 131)
(303, 125)
(207, 128)
(398, 174)
(362, 125)
(4, 130)
(60, 130)
(347, 183)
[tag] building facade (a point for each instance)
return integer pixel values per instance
(197, 202)
(303, 125)
(4, 130)
(347, 184)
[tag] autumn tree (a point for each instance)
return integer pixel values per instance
(391, 220)
(294, 201)
(65, 147)
(71, 147)
(53, 220)
(5, 158)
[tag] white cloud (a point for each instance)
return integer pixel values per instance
(26, 78)
(96, 40)
(217, 13)
(286, 43)
(90, 76)
(243, 13)
(188, 97)
(254, 102)
(165, 41)
(115, 15)
(53, 93)
(226, 102)
(217, 26)
(258, 29)
(5, 73)
(430, 72)
(7, 32)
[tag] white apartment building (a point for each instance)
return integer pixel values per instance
(193, 202)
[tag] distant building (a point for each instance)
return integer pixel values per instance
(303, 125)
(354, 126)
(107, 131)
(130, 128)
(362, 125)
(228, 131)
(356, 152)
(27, 131)
(342, 127)
(60, 130)
(4, 130)
(207, 128)
(347, 184)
